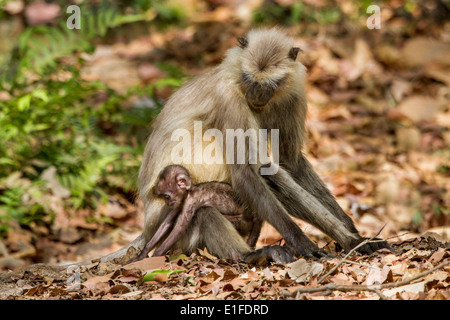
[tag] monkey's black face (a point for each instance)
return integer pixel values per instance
(257, 94)
(266, 64)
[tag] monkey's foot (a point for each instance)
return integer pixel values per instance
(308, 249)
(270, 253)
(372, 246)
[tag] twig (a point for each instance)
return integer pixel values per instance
(398, 235)
(381, 295)
(335, 287)
(348, 254)
(359, 264)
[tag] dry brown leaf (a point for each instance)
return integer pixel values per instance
(229, 275)
(387, 191)
(419, 108)
(378, 276)
(439, 294)
(438, 72)
(400, 88)
(98, 283)
(211, 277)
(40, 12)
(438, 276)
(251, 286)
(413, 288)
(437, 256)
(415, 253)
(13, 7)
(301, 270)
(363, 59)
(342, 279)
(53, 184)
(407, 138)
(238, 283)
(149, 72)
(419, 51)
(390, 259)
(147, 264)
(442, 231)
(113, 209)
(120, 289)
(69, 235)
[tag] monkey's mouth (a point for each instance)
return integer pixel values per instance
(258, 97)
(257, 108)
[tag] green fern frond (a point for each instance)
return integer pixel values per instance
(45, 44)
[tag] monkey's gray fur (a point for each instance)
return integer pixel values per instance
(259, 85)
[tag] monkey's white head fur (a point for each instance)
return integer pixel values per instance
(266, 56)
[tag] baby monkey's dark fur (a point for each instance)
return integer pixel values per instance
(174, 185)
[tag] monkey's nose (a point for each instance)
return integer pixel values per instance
(258, 96)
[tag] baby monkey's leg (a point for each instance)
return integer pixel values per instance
(160, 233)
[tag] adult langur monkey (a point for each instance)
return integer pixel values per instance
(259, 85)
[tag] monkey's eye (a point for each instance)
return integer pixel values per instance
(167, 197)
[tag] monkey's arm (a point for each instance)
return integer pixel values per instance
(183, 221)
(253, 190)
(254, 232)
(160, 233)
(333, 221)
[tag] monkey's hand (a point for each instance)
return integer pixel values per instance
(371, 246)
(308, 249)
(263, 255)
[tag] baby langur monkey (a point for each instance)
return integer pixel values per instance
(175, 186)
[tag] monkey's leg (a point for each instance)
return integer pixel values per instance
(251, 188)
(160, 233)
(210, 229)
(339, 225)
(254, 233)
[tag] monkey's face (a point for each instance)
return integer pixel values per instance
(256, 94)
(173, 188)
(169, 191)
(266, 64)
(174, 200)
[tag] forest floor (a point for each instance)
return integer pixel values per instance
(418, 268)
(379, 135)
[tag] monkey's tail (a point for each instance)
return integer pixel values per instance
(124, 254)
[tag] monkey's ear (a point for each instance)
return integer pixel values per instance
(293, 53)
(243, 42)
(183, 181)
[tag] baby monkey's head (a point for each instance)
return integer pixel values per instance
(173, 184)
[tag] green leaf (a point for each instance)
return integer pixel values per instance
(24, 102)
(151, 276)
(177, 256)
(6, 161)
(41, 94)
